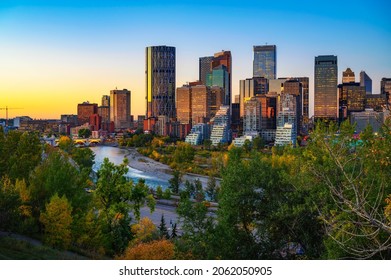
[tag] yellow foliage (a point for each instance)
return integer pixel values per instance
(387, 209)
(155, 250)
(143, 230)
(155, 155)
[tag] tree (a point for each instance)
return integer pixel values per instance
(66, 144)
(258, 143)
(57, 220)
(9, 205)
(84, 133)
(212, 189)
(154, 250)
(84, 158)
(144, 231)
(56, 174)
(116, 197)
(163, 231)
(175, 181)
(23, 157)
(351, 183)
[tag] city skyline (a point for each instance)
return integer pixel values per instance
(57, 55)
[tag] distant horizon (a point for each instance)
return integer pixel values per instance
(57, 55)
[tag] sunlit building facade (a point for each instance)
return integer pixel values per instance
(120, 108)
(325, 90)
(160, 81)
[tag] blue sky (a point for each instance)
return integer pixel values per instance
(56, 54)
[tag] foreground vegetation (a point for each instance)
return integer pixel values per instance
(329, 200)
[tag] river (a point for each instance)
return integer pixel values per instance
(116, 156)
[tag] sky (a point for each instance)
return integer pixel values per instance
(56, 54)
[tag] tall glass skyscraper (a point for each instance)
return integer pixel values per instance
(366, 82)
(265, 61)
(326, 92)
(160, 81)
(205, 68)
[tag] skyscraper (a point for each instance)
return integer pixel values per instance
(366, 82)
(219, 72)
(160, 81)
(385, 89)
(85, 110)
(120, 108)
(205, 68)
(265, 61)
(348, 76)
(326, 94)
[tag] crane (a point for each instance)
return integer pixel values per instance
(6, 113)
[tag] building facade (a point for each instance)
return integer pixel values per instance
(160, 81)
(265, 61)
(366, 81)
(325, 90)
(85, 110)
(120, 108)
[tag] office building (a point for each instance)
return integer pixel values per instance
(365, 118)
(348, 76)
(385, 89)
(325, 90)
(85, 110)
(183, 107)
(251, 87)
(377, 102)
(205, 68)
(265, 61)
(351, 99)
(366, 81)
(160, 81)
(120, 108)
(218, 74)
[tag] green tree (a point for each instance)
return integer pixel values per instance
(57, 220)
(116, 197)
(84, 158)
(350, 183)
(163, 231)
(84, 133)
(258, 143)
(9, 205)
(212, 189)
(56, 174)
(175, 181)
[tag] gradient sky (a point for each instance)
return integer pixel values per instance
(56, 54)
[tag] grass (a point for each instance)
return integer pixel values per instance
(14, 249)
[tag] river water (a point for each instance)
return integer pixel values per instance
(116, 156)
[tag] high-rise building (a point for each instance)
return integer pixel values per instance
(104, 112)
(348, 76)
(376, 102)
(294, 87)
(249, 88)
(326, 94)
(105, 100)
(286, 132)
(385, 89)
(220, 77)
(120, 108)
(200, 104)
(160, 81)
(85, 110)
(366, 81)
(351, 99)
(265, 61)
(219, 72)
(205, 68)
(183, 106)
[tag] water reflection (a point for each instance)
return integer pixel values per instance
(116, 156)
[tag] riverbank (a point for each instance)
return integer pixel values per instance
(158, 169)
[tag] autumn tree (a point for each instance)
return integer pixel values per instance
(57, 220)
(154, 250)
